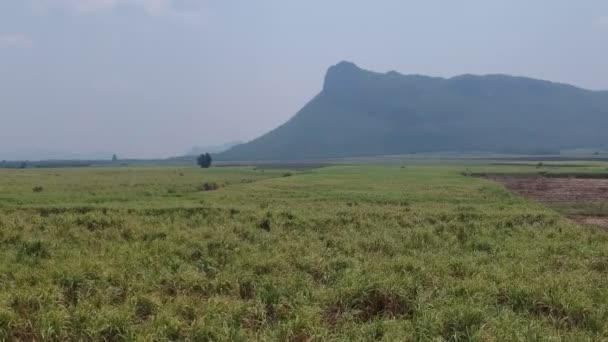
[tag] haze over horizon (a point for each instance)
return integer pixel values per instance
(153, 78)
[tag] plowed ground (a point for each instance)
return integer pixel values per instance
(560, 191)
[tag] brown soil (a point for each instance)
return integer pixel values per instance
(556, 189)
(560, 190)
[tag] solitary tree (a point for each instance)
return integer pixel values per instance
(204, 160)
(114, 158)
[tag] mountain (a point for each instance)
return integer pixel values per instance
(364, 113)
(197, 150)
(47, 154)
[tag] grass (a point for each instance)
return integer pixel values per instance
(338, 253)
(585, 208)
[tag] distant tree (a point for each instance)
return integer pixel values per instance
(23, 165)
(204, 160)
(597, 153)
(539, 165)
(114, 158)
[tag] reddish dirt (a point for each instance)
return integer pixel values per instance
(556, 189)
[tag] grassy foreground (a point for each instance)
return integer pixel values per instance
(338, 253)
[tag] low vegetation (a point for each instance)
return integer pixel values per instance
(210, 186)
(337, 253)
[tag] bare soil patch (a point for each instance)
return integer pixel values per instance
(552, 189)
(562, 192)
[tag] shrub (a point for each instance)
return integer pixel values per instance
(154, 236)
(37, 189)
(370, 302)
(37, 249)
(98, 220)
(71, 287)
(462, 324)
(209, 186)
(144, 308)
(7, 322)
(561, 309)
(264, 224)
(246, 289)
(113, 327)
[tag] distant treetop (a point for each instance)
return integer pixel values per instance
(204, 160)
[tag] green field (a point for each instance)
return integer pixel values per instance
(337, 253)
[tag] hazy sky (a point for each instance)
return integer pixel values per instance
(151, 78)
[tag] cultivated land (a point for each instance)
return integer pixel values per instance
(335, 253)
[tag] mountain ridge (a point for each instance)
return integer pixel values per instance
(364, 113)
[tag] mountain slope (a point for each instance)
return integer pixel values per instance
(198, 150)
(361, 113)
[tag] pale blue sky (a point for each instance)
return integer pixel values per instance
(151, 78)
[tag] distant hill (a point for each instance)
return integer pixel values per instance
(364, 113)
(46, 154)
(197, 150)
